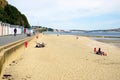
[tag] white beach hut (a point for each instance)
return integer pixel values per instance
(3, 29)
(12, 27)
(11, 30)
(0, 28)
(6, 29)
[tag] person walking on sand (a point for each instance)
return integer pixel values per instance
(15, 31)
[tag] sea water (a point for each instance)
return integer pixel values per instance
(110, 34)
(107, 37)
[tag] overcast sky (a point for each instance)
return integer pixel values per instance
(71, 14)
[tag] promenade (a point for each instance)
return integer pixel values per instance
(11, 38)
(64, 58)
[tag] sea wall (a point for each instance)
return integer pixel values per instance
(7, 50)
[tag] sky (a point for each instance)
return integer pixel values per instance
(71, 14)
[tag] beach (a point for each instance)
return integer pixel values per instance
(64, 58)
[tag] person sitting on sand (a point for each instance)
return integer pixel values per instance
(99, 52)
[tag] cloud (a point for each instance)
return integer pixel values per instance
(61, 12)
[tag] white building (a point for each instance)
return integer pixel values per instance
(7, 29)
(0, 28)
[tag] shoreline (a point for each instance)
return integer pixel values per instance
(113, 40)
(101, 36)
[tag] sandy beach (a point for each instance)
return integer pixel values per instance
(64, 58)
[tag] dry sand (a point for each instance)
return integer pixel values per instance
(65, 58)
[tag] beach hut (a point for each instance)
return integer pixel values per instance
(24, 30)
(3, 29)
(12, 27)
(0, 28)
(7, 28)
(11, 30)
(29, 30)
(19, 30)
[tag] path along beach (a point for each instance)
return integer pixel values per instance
(64, 58)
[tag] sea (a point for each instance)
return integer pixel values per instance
(106, 37)
(94, 34)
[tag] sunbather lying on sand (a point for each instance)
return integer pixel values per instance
(39, 45)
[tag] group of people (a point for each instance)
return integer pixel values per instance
(99, 52)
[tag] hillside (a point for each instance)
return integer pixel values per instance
(3, 3)
(10, 14)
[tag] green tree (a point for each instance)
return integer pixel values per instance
(12, 15)
(25, 21)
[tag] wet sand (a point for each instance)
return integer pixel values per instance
(110, 41)
(64, 57)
